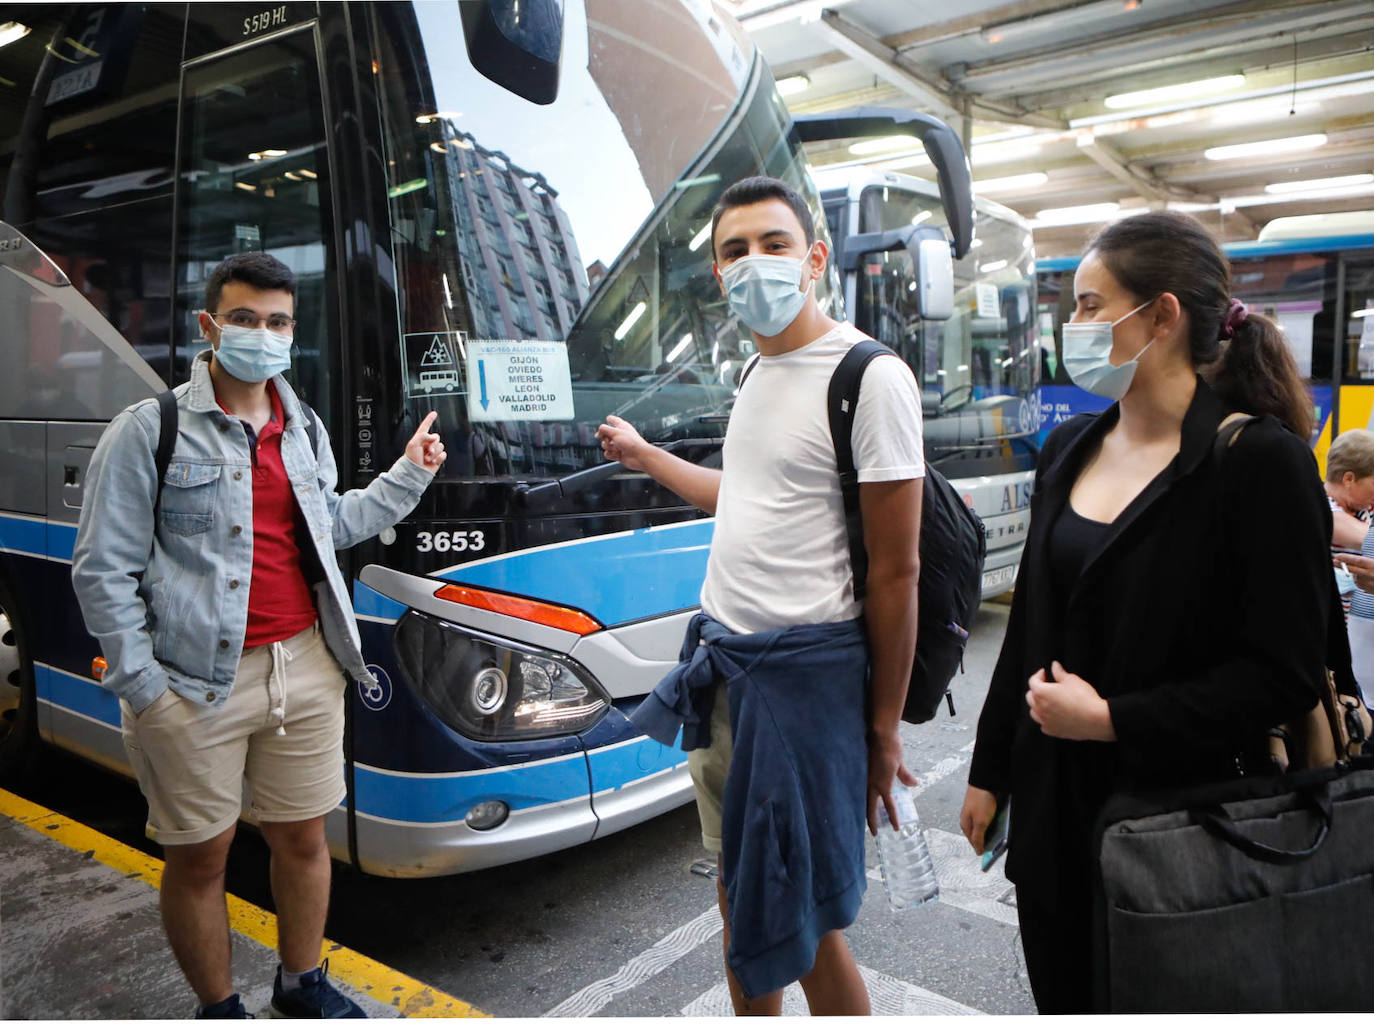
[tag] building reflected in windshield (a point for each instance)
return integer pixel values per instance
(520, 260)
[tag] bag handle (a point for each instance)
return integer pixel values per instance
(1218, 823)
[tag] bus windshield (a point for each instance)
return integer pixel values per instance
(581, 225)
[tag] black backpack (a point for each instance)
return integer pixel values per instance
(170, 424)
(952, 547)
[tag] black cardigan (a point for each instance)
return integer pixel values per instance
(1202, 620)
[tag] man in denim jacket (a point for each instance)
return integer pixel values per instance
(228, 629)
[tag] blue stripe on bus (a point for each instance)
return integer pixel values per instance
(38, 537)
(61, 540)
(431, 799)
(1246, 250)
(616, 579)
(26, 536)
(367, 601)
(618, 766)
(84, 696)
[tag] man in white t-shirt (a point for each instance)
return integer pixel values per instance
(779, 556)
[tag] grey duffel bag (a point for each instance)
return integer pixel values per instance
(1250, 895)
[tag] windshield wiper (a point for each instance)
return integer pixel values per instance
(531, 495)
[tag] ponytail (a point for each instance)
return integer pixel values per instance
(1240, 354)
(1256, 373)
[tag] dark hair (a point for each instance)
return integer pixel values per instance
(1165, 251)
(748, 191)
(255, 269)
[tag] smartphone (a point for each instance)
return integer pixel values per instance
(995, 839)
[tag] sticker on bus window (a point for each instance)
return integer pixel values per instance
(518, 380)
(434, 363)
(989, 302)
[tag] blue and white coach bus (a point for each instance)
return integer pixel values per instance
(498, 209)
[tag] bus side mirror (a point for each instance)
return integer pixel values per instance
(931, 262)
(935, 278)
(518, 44)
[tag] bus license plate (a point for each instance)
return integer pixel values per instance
(1002, 577)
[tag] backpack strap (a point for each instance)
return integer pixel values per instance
(841, 403)
(166, 441)
(748, 369)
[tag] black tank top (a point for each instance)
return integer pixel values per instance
(1074, 539)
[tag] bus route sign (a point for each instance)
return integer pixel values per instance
(518, 380)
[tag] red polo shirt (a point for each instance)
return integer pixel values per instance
(279, 599)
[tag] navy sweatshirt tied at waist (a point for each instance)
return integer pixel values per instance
(793, 828)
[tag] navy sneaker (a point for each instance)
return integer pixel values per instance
(314, 999)
(231, 1009)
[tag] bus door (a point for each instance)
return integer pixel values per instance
(253, 174)
(1357, 300)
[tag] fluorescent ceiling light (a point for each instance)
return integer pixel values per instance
(1012, 182)
(1173, 93)
(700, 237)
(1257, 111)
(1360, 313)
(757, 14)
(12, 31)
(886, 144)
(1316, 184)
(438, 115)
(307, 172)
(793, 84)
(630, 320)
(1086, 214)
(1269, 147)
(245, 186)
(680, 347)
(995, 265)
(924, 215)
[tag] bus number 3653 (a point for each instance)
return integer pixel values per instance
(445, 540)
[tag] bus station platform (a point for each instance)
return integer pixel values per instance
(81, 936)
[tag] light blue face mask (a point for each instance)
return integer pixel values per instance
(766, 292)
(253, 354)
(1088, 357)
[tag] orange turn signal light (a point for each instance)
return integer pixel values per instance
(569, 619)
(98, 667)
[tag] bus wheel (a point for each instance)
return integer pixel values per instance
(18, 711)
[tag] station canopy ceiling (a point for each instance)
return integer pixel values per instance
(1239, 111)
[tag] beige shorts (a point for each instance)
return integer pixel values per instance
(709, 767)
(191, 760)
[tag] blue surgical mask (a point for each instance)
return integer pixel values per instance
(766, 292)
(253, 354)
(1088, 357)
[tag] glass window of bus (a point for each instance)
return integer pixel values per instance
(86, 145)
(583, 223)
(1359, 318)
(254, 182)
(1298, 292)
(987, 349)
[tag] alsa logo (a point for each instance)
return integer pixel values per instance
(1015, 497)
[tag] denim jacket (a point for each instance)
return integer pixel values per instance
(170, 606)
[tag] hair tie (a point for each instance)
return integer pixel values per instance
(1235, 316)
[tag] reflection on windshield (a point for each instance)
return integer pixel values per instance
(584, 222)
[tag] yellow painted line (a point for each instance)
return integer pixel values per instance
(413, 998)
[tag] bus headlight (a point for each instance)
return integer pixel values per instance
(491, 688)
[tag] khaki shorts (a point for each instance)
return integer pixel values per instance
(191, 760)
(709, 768)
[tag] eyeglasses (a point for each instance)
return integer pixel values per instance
(243, 318)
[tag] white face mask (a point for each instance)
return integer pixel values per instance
(1088, 357)
(253, 354)
(766, 292)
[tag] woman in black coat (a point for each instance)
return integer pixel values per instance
(1171, 606)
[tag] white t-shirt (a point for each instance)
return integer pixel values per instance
(779, 554)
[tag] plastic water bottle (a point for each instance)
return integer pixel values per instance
(903, 855)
